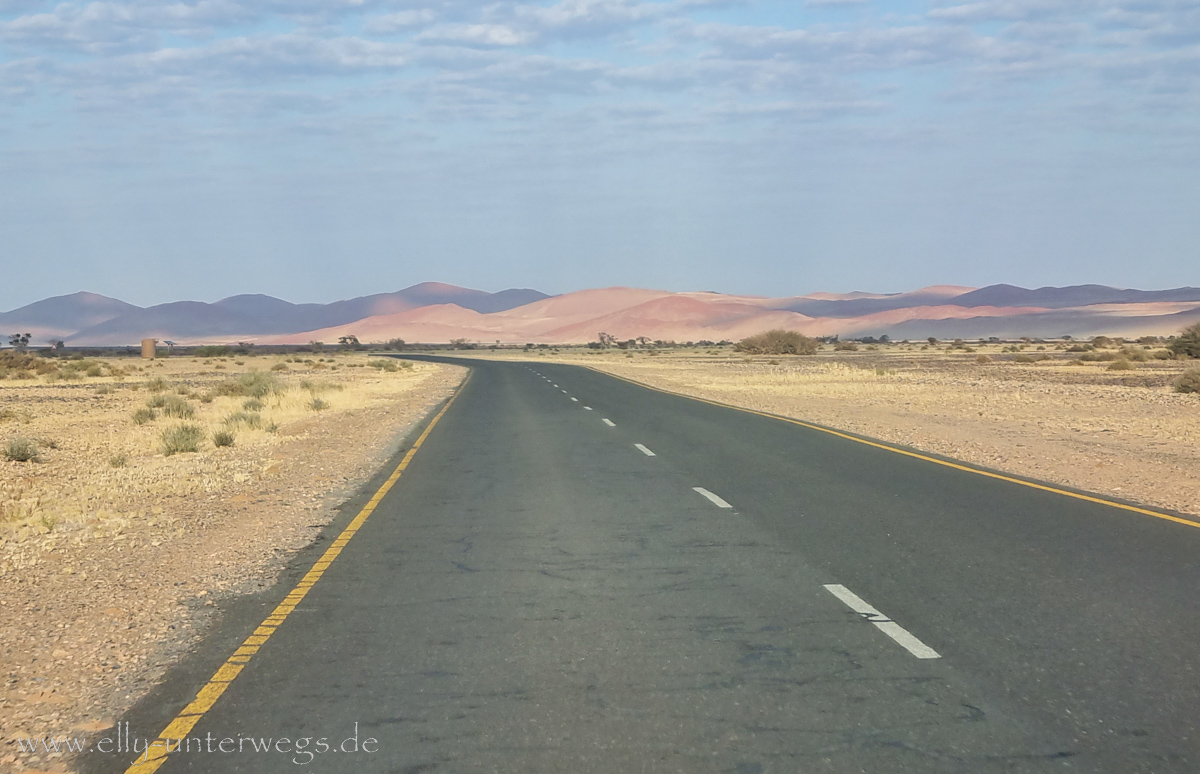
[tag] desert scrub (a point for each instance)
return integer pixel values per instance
(181, 438)
(118, 461)
(279, 367)
(21, 450)
(157, 384)
(16, 362)
(384, 365)
(256, 384)
(222, 438)
(981, 359)
(144, 415)
(252, 404)
(778, 342)
(316, 404)
(1120, 364)
(1188, 381)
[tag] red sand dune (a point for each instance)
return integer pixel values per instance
(628, 313)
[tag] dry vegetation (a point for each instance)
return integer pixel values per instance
(1031, 408)
(133, 493)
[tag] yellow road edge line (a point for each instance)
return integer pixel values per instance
(156, 753)
(914, 455)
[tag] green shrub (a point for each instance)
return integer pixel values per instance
(144, 415)
(1188, 381)
(1187, 343)
(222, 438)
(211, 351)
(175, 406)
(181, 438)
(1135, 354)
(778, 342)
(384, 365)
(252, 404)
(316, 404)
(117, 461)
(21, 450)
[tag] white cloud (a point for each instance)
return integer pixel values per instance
(400, 20)
(478, 35)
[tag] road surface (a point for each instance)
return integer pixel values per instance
(574, 573)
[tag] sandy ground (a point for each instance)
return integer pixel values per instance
(114, 557)
(1121, 433)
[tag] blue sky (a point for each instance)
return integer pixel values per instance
(313, 150)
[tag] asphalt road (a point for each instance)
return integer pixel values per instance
(539, 593)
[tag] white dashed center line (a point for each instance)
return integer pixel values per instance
(882, 622)
(644, 450)
(587, 408)
(575, 399)
(608, 422)
(717, 501)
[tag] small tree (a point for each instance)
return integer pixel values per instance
(606, 340)
(19, 341)
(1187, 343)
(348, 342)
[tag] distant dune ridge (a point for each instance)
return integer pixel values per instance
(433, 312)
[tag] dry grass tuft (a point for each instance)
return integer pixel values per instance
(21, 449)
(181, 438)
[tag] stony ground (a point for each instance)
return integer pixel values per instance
(1120, 433)
(113, 556)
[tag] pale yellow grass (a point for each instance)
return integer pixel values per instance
(94, 457)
